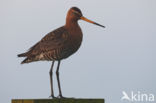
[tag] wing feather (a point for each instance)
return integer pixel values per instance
(52, 41)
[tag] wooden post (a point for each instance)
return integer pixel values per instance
(70, 100)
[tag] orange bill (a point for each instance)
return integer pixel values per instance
(87, 20)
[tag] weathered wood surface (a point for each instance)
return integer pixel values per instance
(71, 100)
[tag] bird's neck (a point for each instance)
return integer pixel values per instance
(71, 23)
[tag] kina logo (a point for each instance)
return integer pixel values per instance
(137, 97)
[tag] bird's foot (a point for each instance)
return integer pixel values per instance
(61, 97)
(52, 96)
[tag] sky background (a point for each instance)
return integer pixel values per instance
(121, 57)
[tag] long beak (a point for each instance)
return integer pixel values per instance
(85, 19)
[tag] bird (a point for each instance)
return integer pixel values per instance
(59, 44)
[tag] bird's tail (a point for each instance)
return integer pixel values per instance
(22, 55)
(27, 60)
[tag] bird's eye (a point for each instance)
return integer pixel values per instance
(76, 13)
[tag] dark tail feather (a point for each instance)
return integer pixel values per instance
(24, 61)
(27, 60)
(22, 55)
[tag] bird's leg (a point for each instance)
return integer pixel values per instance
(51, 80)
(58, 80)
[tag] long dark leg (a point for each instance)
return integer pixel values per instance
(58, 80)
(51, 79)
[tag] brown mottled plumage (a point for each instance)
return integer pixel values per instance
(58, 44)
